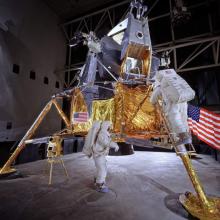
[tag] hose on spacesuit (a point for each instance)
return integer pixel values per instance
(179, 149)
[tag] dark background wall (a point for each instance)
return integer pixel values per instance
(32, 48)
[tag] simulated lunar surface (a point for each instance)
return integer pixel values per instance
(145, 185)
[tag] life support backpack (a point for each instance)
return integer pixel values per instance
(176, 89)
(91, 138)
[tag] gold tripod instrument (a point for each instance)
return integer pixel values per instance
(54, 155)
(200, 206)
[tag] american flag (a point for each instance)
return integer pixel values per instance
(80, 117)
(205, 125)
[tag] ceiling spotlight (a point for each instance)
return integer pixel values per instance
(180, 13)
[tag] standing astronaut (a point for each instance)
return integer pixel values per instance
(97, 145)
(175, 93)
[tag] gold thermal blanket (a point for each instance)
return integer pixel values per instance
(79, 105)
(134, 112)
(103, 110)
(130, 111)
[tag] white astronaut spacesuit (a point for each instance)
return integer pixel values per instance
(175, 112)
(97, 144)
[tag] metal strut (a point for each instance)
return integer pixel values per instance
(7, 167)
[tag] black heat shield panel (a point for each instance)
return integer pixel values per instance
(155, 63)
(110, 58)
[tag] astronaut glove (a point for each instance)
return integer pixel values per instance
(116, 148)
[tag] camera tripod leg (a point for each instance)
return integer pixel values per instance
(51, 173)
(62, 163)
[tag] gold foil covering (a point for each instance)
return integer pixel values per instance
(130, 111)
(140, 52)
(79, 105)
(134, 112)
(103, 110)
(194, 206)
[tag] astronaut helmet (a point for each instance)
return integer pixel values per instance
(159, 76)
(96, 124)
(106, 125)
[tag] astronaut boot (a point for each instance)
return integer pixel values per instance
(101, 187)
(184, 138)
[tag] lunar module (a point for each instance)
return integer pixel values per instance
(115, 84)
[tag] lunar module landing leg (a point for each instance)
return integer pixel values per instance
(200, 206)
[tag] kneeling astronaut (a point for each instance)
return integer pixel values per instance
(174, 92)
(97, 145)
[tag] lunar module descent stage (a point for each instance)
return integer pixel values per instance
(115, 84)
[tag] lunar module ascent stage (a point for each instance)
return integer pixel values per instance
(115, 84)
